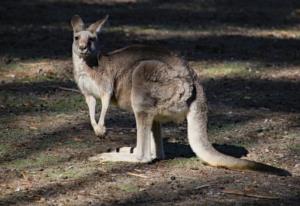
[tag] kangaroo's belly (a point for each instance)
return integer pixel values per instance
(122, 99)
(122, 92)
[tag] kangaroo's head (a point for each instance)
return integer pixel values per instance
(86, 39)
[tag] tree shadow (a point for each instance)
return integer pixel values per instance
(270, 13)
(266, 50)
(40, 29)
(237, 93)
(32, 90)
(261, 94)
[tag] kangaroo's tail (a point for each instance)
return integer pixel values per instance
(197, 135)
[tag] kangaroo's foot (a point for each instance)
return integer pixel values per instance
(154, 155)
(123, 154)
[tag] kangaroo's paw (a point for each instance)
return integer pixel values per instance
(120, 155)
(126, 150)
(100, 131)
(154, 155)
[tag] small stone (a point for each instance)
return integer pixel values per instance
(42, 199)
(260, 134)
(280, 155)
(194, 168)
(173, 178)
(227, 138)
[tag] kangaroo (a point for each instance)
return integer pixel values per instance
(157, 85)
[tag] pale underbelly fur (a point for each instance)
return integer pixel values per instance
(89, 86)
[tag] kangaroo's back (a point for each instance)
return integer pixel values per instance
(126, 58)
(122, 63)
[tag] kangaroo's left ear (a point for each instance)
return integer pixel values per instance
(97, 26)
(77, 23)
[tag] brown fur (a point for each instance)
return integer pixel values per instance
(156, 85)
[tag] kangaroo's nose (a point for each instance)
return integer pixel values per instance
(82, 47)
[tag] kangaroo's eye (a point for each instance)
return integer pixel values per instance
(76, 38)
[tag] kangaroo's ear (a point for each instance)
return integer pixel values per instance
(96, 27)
(77, 23)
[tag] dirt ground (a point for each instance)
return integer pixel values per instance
(247, 55)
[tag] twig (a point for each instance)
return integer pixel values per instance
(137, 175)
(69, 89)
(235, 192)
(63, 88)
(201, 186)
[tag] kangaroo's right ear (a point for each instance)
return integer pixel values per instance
(77, 23)
(97, 26)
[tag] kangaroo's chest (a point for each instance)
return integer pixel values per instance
(84, 78)
(89, 86)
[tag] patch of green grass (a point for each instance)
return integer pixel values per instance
(4, 149)
(38, 160)
(66, 104)
(292, 135)
(128, 187)
(227, 69)
(71, 172)
(30, 71)
(221, 128)
(13, 135)
(295, 148)
(13, 66)
(184, 162)
(73, 144)
(10, 139)
(61, 102)
(39, 78)
(294, 145)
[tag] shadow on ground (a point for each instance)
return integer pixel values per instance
(237, 93)
(174, 150)
(40, 29)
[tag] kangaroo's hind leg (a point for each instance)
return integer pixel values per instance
(142, 152)
(144, 117)
(144, 106)
(157, 148)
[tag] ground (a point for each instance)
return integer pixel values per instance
(247, 55)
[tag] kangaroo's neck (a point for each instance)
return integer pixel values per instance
(82, 66)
